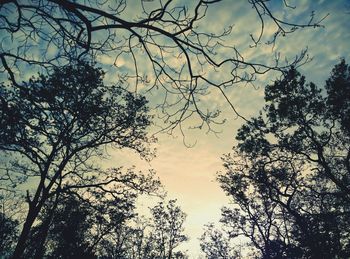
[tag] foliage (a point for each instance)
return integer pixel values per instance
(168, 229)
(8, 235)
(156, 237)
(52, 128)
(69, 228)
(214, 244)
(80, 229)
(289, 177)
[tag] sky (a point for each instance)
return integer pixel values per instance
(188, 174)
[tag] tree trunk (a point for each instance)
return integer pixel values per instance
(21, 244)
(39, 253)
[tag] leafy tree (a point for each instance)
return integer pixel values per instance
(52, 126)
(95, 216)
(168, 42)
(156, 237)
(9, 222)
(167, 222)
(69, 228)
(80, 229)
(8, 235)
(214, 244)
(289, 176)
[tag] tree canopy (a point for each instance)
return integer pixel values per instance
(8, 234)
(52, 127)
(79, 230)
(289, 176)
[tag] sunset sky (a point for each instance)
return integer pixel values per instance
(188, 174)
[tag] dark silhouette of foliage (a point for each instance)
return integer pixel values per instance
(338, 89)
(53, 125)
(289, 176)
(8, 235)
(157, 237)
(80, 229)
(9, 222)
(168, 228)
(96, 215)
(69, 228)
(215, 244)
(167, 41)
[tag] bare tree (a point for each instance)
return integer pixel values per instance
(168, 47)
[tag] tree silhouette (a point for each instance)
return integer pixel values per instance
(81, 229)
(180, 53)
(9, 222)
(289, 176)
(8, 235)
(156, 237)
(52, 125)
(168, 229)
(70, 227)
(214, 244)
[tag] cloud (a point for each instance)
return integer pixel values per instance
(189, 174)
